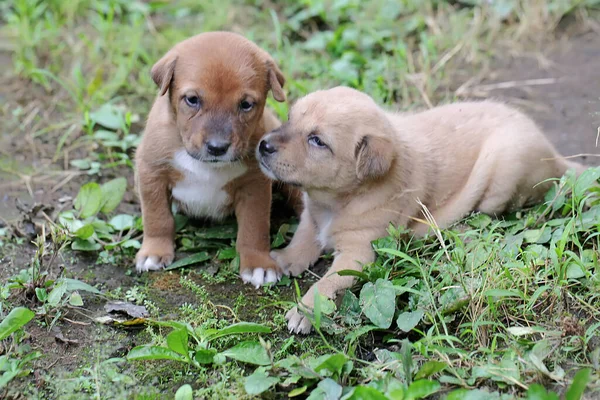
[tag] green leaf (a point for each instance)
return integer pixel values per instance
(108, 116)
(366, 393)
(430, 368)
(41, 294)
(421, 389)
(574, 271)
(85, 232)
(131, 243)
(205, 356)
(218, 232)
(408, 320)
(154, 353)
(185, 392)
(585, 182)
(75, 300)
(177, 341)
(280, 236)
(580, 381)
(112, 194)
(16, 319)
(239, 328)
(248, 352)
(327, 389)
(184, 262)
(89, 200)
(332, 364)
(259, 382)
(538, 392)
(502, 293)
(57, 293)
(378, 302)
(298, 391)
(85, 245)
(352, 272)
(74, 284)
(122, 222)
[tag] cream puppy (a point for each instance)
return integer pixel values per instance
(362, 168)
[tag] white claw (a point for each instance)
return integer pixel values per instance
(151, 263)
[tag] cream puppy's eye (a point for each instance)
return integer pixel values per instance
(192, 101)
(316, 141)
(246, 105)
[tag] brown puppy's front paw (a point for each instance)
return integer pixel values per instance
(297, 322)
(259, 269)
(290, 263)
(155, 254)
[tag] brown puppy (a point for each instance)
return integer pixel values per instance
(362, 168)
(198, 147)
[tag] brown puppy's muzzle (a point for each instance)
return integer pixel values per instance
(214, 141)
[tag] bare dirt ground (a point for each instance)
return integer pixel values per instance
(558, 86)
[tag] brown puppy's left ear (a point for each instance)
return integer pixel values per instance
(374, 156)
(162, 72)
(276, 80)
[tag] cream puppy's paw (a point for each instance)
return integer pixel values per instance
(260, 276)
(290, 263)
(145, 263)
(297, 322)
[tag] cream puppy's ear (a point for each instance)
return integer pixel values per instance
(162, 72)
(374, 156)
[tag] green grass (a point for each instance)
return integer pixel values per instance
(496, 308)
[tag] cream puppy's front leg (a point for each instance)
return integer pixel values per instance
(304, 249)
(353, 250)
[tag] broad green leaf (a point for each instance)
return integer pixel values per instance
(112, 194)
(16, 319)
(205, 356)
(538, 392)
(333, 364)
(502, 293)
(177, 341)
(131, 243)
(239, 328)
(57, 293)
(280, 236)
(574, 271)
(298, 391)
(184, 392)
(580, 381)
(109, 117)
(85, 245)
(378, 302)
(154, 353)
(75, 300)
(184, 262)
(122, 222)
(421, 389)
(259, 382)
(430, 368)
(248, 352)
(89, 200)
(327, 389)
(41, 294)
(366, 393)
(74, 284)
(585, 182)
(85, 232)
(408, 320)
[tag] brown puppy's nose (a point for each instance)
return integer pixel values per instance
(266, 148)
(217, 147)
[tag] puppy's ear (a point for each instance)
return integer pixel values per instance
(162, 72)
(276, 80)
(374, 156)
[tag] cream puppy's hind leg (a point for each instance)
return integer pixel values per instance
(304, 249)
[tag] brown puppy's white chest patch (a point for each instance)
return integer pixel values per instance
(201, 192)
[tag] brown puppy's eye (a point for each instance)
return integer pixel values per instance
(316, 141)
(246, 105)
(192, 101)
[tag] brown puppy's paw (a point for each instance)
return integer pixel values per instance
(297, 322)
(259, 269)
(290, 263)
(155, 254)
